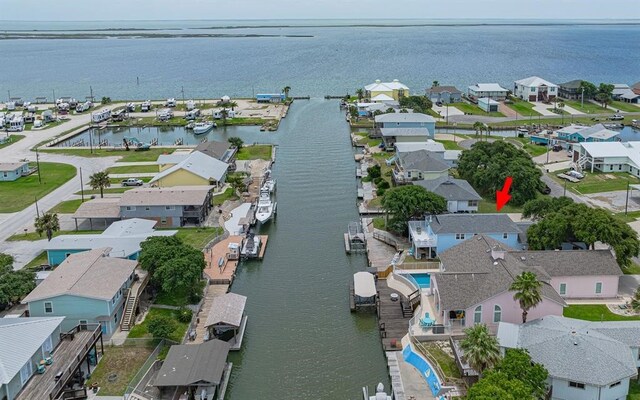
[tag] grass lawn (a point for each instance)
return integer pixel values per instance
(376, 202)
(141, 331)
(33, 236)
(132, 169)
(177, 298)
(534, 150)
(623, 106)
(19, 194)
(524, 108)
(600, 182)
(125, 361)
(634, 269)
(378, 223)
(66, 207)
(589, 107)
(12, 139)
(228, 194)
(447, 364)
(198, 237)
(450, 144)
(127, 156)
(634, 389)
(38, 261)
(595, 312)
(630, 217)
(255, 152)
(473, 109)
(489, 206)
(120, 189)
(373, 142)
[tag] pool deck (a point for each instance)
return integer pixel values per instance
(390, 316)
(221, 275)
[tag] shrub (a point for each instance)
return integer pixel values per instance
(184, 314)
(383, 185)
(374, 171)
(161, 326)
(380, 191)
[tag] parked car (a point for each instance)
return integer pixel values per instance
(575, 174)
(439, 104)
(132, 182)
(557, 148)
(616, 117)
(545, 190)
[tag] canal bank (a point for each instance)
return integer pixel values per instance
(302, 341)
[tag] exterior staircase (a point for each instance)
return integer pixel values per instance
(133, 297)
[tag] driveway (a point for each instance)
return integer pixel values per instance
(542, 109)
(628, 284)
(443, 111)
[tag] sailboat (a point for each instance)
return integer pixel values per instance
(266, 207)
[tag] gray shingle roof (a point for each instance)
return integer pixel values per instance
(471, 275)
(219, 150)
(404, 117)
(227, 309)
(441, 89)
(575, 350)
(574, 84)
(423, 160)
(389, 132)
(450, 188)
(20, 339)
(572, 262)
(473, 223)
(192, 364)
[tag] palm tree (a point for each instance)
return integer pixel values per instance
(99, 180)
(478, 126)
(47, 223)
(232, 104)
(224, 114)
(286, 90)
(360, 94)
(481, 350)
(560, 106)
(488, 130)
(435, 83)
(527, 290)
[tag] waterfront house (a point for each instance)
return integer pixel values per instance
(630, 97)
(571, 90)
(201, 369)
(437, 233)
(535, 89)
(222, 151)
(490, 90)
(460, 195)
(194, 170)
(404, 127)
(449, 156)
(86, 288)
(421, 164)
(24, 342)
(488, 105)
(579, 134)
(585, 360)
(444, 94)
(383, 98)
(13, 171)
(394, 90)
(270, 97)
(122, 237)
(608, 157)
(227, 319)
(636, 88)
(619, 89)
(171, 207)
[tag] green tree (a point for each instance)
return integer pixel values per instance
(528, 292)
(497, 385)
(486, 166)
(161, 326)
(589, 90)
(479, 127)
(374, 171)
(236, 142)
(410, 202)
(435, 83)
(353, 111)
(232, 104)
(604, 94)
(47, 223)
(14, 285)
(286, 90)
(360, 94)
(106, 100)
(481, 350)
(538, 208)
(635, 301)
(236, 180)
(419, 104)
(182, 272)
(156, 250)
(517, 364)
(224, 114)
(100, 180)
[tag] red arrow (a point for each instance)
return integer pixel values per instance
(503, 196)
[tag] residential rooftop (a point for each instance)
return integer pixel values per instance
(171, 196)
(199, 164)
(404, 118)
(450, 188)
(423, 160)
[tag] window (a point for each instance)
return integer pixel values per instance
(619, 167)
(47, 347)
(615, 384)
(48, 307)
(147, 208)
(533, 89)
(5, 174)
(25, 372)
(477, 315)
(497, 314)
(598, 287)
(472, 203)
(576, 385)
(505, 235)
(163, 220)
(169, 207)
(131, 208)
(563, 288)
(459, 236)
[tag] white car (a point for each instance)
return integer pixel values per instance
(575, 174)
(132, 182)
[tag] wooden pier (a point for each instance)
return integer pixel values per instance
(393, 319)
(221, 269)
(263, 249)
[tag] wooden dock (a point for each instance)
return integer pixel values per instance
(392, 321)
(220, 269)
(263, 249)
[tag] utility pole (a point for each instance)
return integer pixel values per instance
(37, 211)
(626, 203)
(182, 87)
(55, 106)
(582, 98)
(565, 189)
(38, 166)
(81, 186)
(91, 93)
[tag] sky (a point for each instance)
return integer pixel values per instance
(89, 10)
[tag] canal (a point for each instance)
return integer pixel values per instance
(302, 341)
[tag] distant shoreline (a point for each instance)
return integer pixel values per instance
(95, 36)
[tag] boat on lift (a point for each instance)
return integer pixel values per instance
(266, 206)
(269, 182)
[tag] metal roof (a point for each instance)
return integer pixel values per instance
(198, 164)
(576, 350)
(404, 117)
(473, 223)
(487, 87)
(171, 196)
(20, 339)
(227, 309)
(429, 145)
(535, 81)
(194, 364)
(364, 284)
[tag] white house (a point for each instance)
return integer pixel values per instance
(458, 193)
(608, 156)
(491, 90)
(585, 360)
(535, 89)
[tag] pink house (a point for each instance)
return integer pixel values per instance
(474, 279)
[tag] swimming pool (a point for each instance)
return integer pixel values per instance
(424, 280)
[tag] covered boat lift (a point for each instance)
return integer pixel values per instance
(227, 320)
(363, 290)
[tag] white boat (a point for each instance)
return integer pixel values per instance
(200, 128)
(190, 125)
(269, 182)
(251, 246)
(266, 207)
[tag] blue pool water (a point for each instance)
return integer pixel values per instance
(424, 280)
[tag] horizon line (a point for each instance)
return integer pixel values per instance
(612, 19)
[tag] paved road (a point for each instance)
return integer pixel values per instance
(470, 119)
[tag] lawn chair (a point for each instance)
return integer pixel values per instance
(426, 321)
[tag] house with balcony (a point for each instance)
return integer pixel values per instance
(417, 165)
(535, 89)
(196, 168)
(434, 234)
(86, 288)
(384, 91)
(492, 91)
(585, 360)
(444, 94)
(461, 197)
(608, 157)
(580, 133)
(571, 90)
(12, 171)
(170, 207)
(404, 127)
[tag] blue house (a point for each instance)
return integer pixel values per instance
(87, 288)
(404, 127)
(13, 171)
(123, 237)
(595, 133)
(270, 97)
(437, 233)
